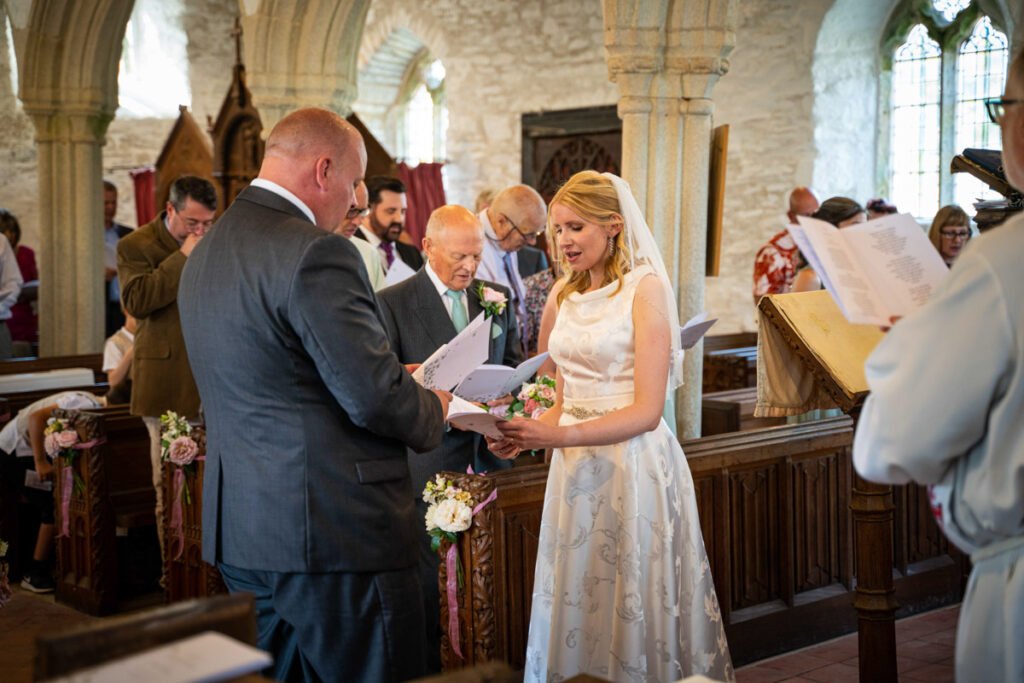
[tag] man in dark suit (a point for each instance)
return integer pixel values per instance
(422, 313)
(531, 261)
(309, 413)
(112, 232)
(386, 220)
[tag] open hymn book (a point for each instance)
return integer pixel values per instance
(875, 271)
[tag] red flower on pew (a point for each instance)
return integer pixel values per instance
(60, 440)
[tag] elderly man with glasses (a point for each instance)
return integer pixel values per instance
(353, 219)
(513, 221)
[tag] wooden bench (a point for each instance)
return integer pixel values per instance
(93, 361)
(118, 496)
(732, 411)
(726, 369)
(188, 576)
(775, 515)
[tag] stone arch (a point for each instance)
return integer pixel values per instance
(302, 53)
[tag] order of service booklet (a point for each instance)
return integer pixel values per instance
(489, 382)
(875, 271)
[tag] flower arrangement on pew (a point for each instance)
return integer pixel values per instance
(60, 440)
(179, 448)
(450, 511)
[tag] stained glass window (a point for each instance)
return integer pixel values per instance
(916, 109)
(980, 73)
(950, 8)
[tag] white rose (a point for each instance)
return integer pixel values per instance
(429, 519)
(452, 516)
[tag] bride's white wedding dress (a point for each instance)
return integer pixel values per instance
(622, 588)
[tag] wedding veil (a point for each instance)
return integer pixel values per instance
(644, 250)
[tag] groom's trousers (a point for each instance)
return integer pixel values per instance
(349, 627)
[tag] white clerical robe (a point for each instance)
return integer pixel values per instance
(947, 409)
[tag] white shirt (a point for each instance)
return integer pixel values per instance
(10, 279)
(442, 288)
(14, 435)
(114, 352)
(271, 186)
(492, 266)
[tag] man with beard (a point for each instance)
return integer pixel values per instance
(386, 221)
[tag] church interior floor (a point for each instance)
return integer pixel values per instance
(924, 646)
(924, 652)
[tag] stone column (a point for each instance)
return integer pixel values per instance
(665, 76)
(71, 306)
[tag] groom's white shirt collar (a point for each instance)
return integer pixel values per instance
(271, 186)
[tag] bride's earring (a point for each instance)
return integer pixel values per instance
(611, 246)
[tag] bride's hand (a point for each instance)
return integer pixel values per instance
(531, 434)
(503, 448)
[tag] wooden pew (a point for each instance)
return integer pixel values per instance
(732, 411)
(775, 515)
(188, 576)
(93, 361)
(730, 361)
(118, 496)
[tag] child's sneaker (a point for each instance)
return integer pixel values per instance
(38, 583)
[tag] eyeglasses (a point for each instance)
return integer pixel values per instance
(955, 234)
(996, 107)
(525, 235)
(357, 212)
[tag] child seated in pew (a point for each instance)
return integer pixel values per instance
(117, 361)
(22, 437)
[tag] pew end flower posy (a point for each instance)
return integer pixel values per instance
(179, 447)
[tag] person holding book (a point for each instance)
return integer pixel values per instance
(945, 411)
(950, 232)
(622, 588)
(840, 212)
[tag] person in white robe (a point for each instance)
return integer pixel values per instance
(947, 410)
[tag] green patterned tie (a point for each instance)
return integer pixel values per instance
(459, 317)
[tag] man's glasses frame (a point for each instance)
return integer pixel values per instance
(357, 212)
(996, 107)
(525, 235)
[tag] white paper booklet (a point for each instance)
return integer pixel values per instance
(694, 330)
(398, 271)
(472, 418)
(453, 362)
(876, 270)
(207, 657)
(489, 382)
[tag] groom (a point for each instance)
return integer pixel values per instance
(309, 414)
(421, 314)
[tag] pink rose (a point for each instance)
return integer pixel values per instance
(66, 438)
(547, 393)
(182, 451)
(493, 296)
(531, 405)
(537, 413)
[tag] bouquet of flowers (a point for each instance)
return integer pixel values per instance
(450, 511)
(177, 445)
(5, 587)
(60, 440)
(533, 399)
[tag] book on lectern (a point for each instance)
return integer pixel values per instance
(875, 271)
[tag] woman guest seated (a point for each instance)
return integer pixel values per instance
(840, 212)
(950, 232)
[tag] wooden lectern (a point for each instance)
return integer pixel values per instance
(831, 350)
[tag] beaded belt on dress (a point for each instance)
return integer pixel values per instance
(590, 408)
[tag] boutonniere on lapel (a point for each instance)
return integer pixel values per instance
(493, 303)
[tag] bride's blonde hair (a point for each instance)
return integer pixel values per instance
(592, 197)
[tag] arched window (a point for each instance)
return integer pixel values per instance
(943, 59)
(423, 115)
(152, 77)
(12, 60)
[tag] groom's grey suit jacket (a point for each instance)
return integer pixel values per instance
(418, 324)
(308, 411)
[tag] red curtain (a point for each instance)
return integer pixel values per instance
(424, 192)
(144, 179)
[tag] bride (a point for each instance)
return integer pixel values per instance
(622, 588)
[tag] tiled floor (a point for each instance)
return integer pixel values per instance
(924, 652)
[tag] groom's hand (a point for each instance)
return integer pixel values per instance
(412, 367)
(445, 398)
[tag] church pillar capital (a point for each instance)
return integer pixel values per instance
(666, 62)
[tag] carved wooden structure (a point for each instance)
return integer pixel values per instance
(117, 495)
(187, 575)
(732, 411)
(775, 513)
(187, 151)
(16, 366)
(726, 369)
